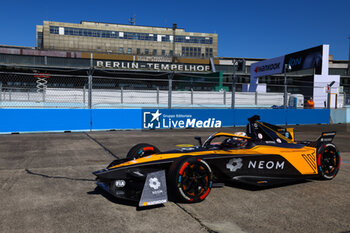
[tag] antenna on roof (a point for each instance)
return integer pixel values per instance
(132, 20)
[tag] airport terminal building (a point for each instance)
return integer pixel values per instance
(125, 39)
(139, 56)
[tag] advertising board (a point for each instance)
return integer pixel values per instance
(305, 59)
(183, 118)
(301, 60)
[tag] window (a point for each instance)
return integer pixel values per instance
(154, 52)
(129, 50)
(95, 33)
(185, 51)
(207, 52)
(166, 38)
(131, 35)
(191, 51)
(114, 35)
(40, 40)
(53, 30)
(121, 50)
(147, 51)
(77, 32)
(163, 52)
(138, 51)
(68, 31)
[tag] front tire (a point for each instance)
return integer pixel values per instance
(142, 150)
(190, 179)
(328, 161)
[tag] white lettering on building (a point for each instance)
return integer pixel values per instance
(151, 66)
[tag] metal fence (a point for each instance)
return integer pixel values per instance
(83, 89)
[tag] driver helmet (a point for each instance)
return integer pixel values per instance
(240, 134)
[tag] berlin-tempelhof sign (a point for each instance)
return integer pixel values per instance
(152, 66)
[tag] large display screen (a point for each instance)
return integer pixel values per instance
(305, 59)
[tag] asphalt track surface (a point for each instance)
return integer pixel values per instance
(47, 186)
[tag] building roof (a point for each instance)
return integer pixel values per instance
(131, 25)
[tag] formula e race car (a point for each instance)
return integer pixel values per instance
(263, 155)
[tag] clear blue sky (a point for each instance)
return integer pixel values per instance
(255, 28)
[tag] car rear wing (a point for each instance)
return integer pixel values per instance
(326, 137)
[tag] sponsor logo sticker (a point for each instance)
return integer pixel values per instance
(154, 183)
(234, 164)
(158, 119)
(276, 165)
(151, 120)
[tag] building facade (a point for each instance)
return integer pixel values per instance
(125, 39)
(139, 57)
(29, 60)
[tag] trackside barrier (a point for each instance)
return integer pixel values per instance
(340, 115)
(106, 119)
(37, 120)
(43, 120)
(284, 116)
(210, 118)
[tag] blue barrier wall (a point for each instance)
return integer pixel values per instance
(39, 120)
(103, 119)
(272, 116)
(33, 120)
(307, 116)
(185, 118)
(340, 115)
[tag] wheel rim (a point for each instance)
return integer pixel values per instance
(329, 161)
(195, 181)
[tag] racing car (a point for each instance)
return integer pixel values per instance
(265, 154)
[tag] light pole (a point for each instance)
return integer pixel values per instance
(90, 73)
(349, 58)
(237, 65)
(285, 96)
(170, 88)
(171, 75)
(233, 95)
(329, 87)
(173, 54)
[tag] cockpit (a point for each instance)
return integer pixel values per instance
(223, 141)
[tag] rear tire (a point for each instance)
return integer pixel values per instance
(190, 179)
(142, 150)
(328, 161)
